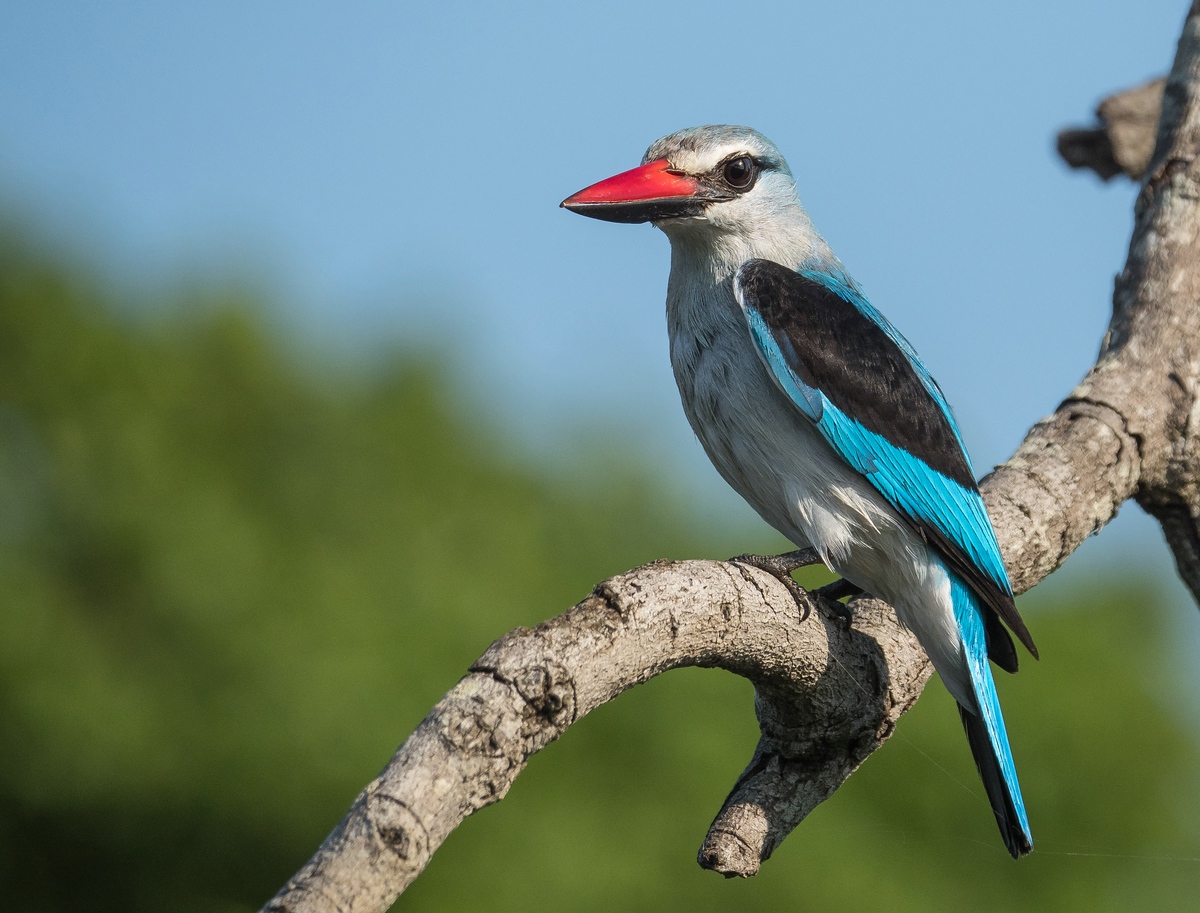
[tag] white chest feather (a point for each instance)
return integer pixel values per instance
(759, 442)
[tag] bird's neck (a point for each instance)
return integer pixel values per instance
(703, 263)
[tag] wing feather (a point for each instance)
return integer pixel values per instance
(857, 379)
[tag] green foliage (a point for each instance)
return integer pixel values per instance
(231, 584)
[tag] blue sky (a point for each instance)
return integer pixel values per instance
(393, 170)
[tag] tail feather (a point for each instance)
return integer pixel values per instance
(1013, 828)
(985, 726)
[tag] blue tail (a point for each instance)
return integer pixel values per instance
(985, 729)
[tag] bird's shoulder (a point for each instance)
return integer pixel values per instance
(838, 343)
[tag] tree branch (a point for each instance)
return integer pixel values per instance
(1122, 141)
(827, 694)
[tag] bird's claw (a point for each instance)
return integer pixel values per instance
(833, 593)
(780, 567)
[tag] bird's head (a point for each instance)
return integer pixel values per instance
(704, 182)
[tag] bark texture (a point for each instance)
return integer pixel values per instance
(828, 693)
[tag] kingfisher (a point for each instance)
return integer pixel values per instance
(815, 409)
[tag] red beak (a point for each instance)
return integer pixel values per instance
(650, 193)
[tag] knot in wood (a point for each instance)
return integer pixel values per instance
(400, 830)
(549, 690)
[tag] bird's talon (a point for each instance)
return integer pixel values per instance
(842, 612)
(839, 589)
(780, 567)
(833, 593)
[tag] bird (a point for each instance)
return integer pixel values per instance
(821, 415)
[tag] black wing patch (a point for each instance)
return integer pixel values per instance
(848, 357)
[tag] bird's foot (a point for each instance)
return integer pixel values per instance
(781, 567)
(837, 591)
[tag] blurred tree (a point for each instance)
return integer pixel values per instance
(231, 583)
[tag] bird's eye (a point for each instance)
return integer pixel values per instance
(739, 173)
